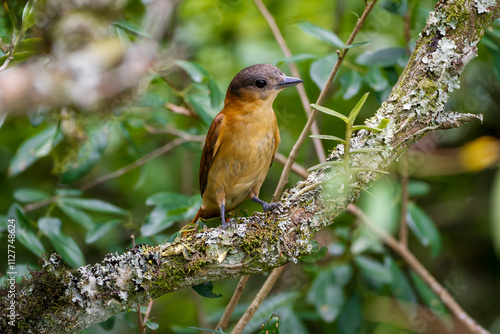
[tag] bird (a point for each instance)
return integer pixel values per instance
(241, 142)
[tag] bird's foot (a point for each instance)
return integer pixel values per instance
(270, 206)
(229, 222)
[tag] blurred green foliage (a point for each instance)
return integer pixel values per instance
(51, 180)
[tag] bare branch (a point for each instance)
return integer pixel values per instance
(263, 292)
(224, 321)
(413, 262)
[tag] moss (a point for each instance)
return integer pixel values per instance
(45, 294)
(429, 87)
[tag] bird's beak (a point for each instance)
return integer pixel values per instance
(288, 82)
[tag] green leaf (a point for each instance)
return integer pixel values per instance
(383, 123)
(355, 45)
(18, 58)
(69, 192)
(170, 208)
(401, 288)
(365, 150)
(24, 235)
(168, 199)
(34, 45)
(327, 295)
(399, 7)
(88, 154)
(383, 57)
(374, 271)
(29, 240)
(351, 84)
(27, 17)
(194, 70)
(299, 58)
(205, 290)
(355, 111)
(291, 321)
(63, 244)
(495, 213)
(418, 188)
(174, 236)
(342, 273)
(133, 28)
(364, 127)
(330, 112)
(429, 298)
(322, 34)
(316, 253)
(216, 95)
(29, 195)
(423, 228)
(108, 324)
(326, 164)
(95, 205)
(351, 318)
(272, 326)
(327, 137)
(152, 325)
(376, 79)
(34, 148)
(320, 69)
(203, 107)
(99, 230)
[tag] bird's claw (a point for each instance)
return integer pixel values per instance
(271, 206)
(226, 224)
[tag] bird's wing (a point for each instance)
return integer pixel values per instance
(209, 151)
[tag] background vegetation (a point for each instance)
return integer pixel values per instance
(358, 286)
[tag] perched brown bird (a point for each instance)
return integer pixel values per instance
(241, 142)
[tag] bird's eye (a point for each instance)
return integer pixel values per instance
(260, 83)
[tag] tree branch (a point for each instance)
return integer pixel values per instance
(400, 248)
(56, 300)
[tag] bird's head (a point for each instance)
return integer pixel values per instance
(259, 82)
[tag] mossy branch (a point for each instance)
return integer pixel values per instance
(55, 300)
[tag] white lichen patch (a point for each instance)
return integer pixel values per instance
(483, 5)
(89, 288)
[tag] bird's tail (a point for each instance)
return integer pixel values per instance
(198, 215)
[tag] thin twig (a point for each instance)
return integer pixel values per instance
(296, 168)
(224, 321)
(413, 262)
(6, 63)
(318, 145)
(148, 312)
(264, 291)
(117, 173)
(175, 132)
(140, 324)
(39, 204)
(10, 54)
(295, 150)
